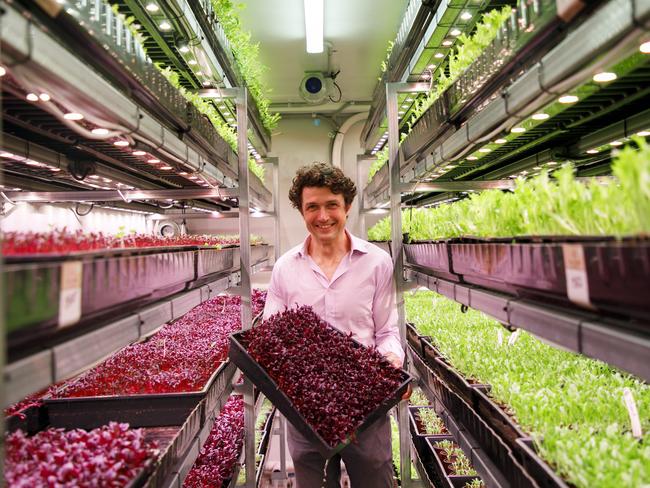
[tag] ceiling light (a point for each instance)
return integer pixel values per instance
(604, 77)
(472, 158)
(153, 160)
(32, 97)
(645, 47)
(138, 153)
(541, 116)
(500, 141)
(643, 133)
(183, 173)
(485, 150)
(3, 71)
(73, 116)
(152, 7)
(100, 131)
(537, 168)
(314, 25)
(44, 97)
(166, 167)
(401, 112)
(447, 42)
(592, 151)
(165, 26)
(455, 32)
(451, 166)
(616, 143)
(194, 177)
(184, 49)
(465, 16)
(121, 143)
(518, 130)
(5, 154)
(439, 55)
(206, 83)
(405, 105)
(432, 66)
(568, 99)
(54, 169)
(191, 62)
(199, 73)
(552, 163)
(107, 180)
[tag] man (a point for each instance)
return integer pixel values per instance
(348, 282)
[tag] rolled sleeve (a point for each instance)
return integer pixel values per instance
(384, 311)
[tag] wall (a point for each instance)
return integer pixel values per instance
(39, 217)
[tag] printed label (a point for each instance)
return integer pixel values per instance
(576, 274)
(628, 398)
(500, 337)
(513, 337)
(70, 294)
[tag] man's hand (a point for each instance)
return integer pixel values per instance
(393, 359)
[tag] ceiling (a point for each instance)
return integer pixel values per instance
(359, 31)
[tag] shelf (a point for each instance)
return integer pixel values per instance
(508, 472)
(425, 26)
(578, 331)
(61, 360)
(461, 150)
(190, 149)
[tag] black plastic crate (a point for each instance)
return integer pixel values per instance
(269, 388)
(437, 469)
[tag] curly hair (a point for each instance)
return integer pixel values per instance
(321, 175)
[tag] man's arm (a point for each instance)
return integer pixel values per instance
(274, 295)
(384, 311)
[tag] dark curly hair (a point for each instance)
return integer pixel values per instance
(321, 175)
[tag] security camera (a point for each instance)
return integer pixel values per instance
(315, 87)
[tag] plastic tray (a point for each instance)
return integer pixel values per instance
(438, 471)
(209, 261)
(269, 388)
(537, 467)
(417, 435)
(155, 410)
(435, 256)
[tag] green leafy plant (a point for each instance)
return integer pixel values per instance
(459, 464)
(475, 483)
(246, 55)
(556, 204)
(418, 398)
(571, 405)
(433, 424)
(206, 108)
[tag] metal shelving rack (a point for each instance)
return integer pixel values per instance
(613, 28)
(201, 168)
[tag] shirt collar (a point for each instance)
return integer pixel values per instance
(357, 244)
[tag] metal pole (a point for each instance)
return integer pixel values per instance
(392, 89)
(276, 206)
(245, 269)
(362, 213)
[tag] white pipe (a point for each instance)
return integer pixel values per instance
(337, 148)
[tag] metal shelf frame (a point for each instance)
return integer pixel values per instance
(578, 331)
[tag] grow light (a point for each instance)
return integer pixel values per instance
(44, 97)
(485, 150)
(447, 42)
(465, 16)
(604, 77)
(139, 153)
(500, 141)
(3, 71)
(541, 116)
(121, 143)
(166, 167)
(645, 47)
(518, 130)
(592, 151)
(191, 62)
(472, 158)
(616, 143)
(100, 131)
(165, 26)
(455, 32)
(314, 25)
(643, 133)
(153, 161)
(152, 7)
(32, 97)
(73, 116)
(439, 55)
(568, 99)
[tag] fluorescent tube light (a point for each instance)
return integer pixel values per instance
(314, 25)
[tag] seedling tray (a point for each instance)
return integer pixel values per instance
(154, 410)
(413, 338)
(258, 375)
(435, 256)
(418, 435)
(537, 467)
(438, 471)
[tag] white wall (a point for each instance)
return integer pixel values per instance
(40, 217)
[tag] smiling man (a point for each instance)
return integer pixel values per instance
(349, 283)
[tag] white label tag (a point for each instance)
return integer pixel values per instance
(576, 274)
(513, 337)
(500, 337)
(628, 398)
(70, 293)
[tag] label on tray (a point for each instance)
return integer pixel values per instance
(575, 269)
(513, 337)
(499, 337)
(632, 411)
(70, 295)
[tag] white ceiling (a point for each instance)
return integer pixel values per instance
(359, 31)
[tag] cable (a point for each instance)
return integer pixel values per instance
(339, 89)
(76, 209)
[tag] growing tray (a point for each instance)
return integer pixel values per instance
(537, 467)
(417, 435)
(269, 388)
(155, 410)
(434, 256)
(438, 471)
(210, 261)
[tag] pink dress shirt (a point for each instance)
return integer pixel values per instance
(360, 298)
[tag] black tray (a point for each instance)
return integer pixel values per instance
(438, 471)
(269, 388)
(435, 256)
(419, 437)
(537, 467)
(155, 410)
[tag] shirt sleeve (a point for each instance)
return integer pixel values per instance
(384, 310)
(275, 301)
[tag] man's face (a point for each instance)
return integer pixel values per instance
(324, 213)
